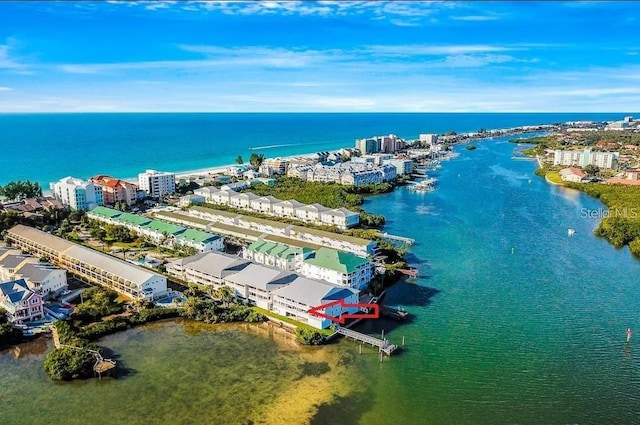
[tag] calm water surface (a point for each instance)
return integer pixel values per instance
(515, 322)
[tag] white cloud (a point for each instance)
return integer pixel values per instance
(476, 18)
(5, 88)
(436, 50)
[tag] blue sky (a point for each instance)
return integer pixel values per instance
(324, 56)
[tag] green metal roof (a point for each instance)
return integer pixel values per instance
(163, 227)
(106, 212)
(255, 246)
(133, 219)
(343, 262)
(197, 236)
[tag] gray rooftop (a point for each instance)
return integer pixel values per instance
(136, 275)
(36, 272)
(262, 277)
(216, 264)
(313, 293)
(52, 242)
(12, 260)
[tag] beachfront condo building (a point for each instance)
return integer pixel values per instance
(22, 304)
(584, 157)
(77, 194)
(156, 183)
(42, 278)
(89, 265)
(116, 190)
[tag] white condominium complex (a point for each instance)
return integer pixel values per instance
(582, 158)
(157, 183)
(77, 194)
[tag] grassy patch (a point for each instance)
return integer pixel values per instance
(325, 332)
(554, 177)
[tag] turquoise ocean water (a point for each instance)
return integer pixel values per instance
(47, 147)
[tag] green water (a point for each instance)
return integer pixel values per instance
(514, 322)
(186, 373)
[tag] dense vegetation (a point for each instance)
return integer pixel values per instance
(307, 336)
(97, 302)
(223, 307)
(621, 226)
(9, 334)
(331, 195)
(65, 363)
(21, 190)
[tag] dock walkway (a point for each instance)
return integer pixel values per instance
(382, 344)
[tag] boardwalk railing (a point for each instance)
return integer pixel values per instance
(382, 344)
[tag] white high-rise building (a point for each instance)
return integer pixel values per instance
(156, 183)
(582, 158)
(77, 194)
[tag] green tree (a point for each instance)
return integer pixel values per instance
(307, 336)
(256, 160)
(239, 160)
(591, 170)
(20, 190)
(9, 334)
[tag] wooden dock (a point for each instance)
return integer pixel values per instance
(383, 345)
(101, 365)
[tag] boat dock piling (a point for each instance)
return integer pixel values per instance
(384, 346)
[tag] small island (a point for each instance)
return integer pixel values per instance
(471, 147)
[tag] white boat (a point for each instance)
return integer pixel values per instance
(427, 185)
(571, 232)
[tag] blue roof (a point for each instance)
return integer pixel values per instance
(15, 290)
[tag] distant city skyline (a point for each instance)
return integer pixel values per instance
(323, 56)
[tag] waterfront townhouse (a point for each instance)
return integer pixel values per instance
(310, 213)
(269, 205)
(207, 193)
(342, 218)
(116, 190)
(256, 282)
(260, 226)
(42, 278)
(156, 183)
(22, 304)
(264, 204)
(188, 200)
(295, 299)
(242, 200)
(287, 208)
(77, 194)
(277, 255)
(338, 267)
(280, 291)
(210, 268)
(160, 232)
(92, 266)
